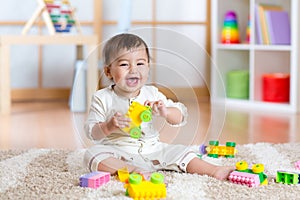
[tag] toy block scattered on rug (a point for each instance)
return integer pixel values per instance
(287, 177)
(214, 150)
(139, 188)
(94, 179)
(297, 165)
(143, 185)
(123, 175)
(249, 177)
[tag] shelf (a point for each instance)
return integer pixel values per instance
(234, 46)
(259, 105)
(254, 47)
(258, 59)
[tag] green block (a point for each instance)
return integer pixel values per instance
(287, 177)
(213, 155)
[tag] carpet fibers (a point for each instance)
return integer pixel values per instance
(54, 174)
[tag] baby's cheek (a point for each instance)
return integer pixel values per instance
(117, 78)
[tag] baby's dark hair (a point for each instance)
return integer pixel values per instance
(122, 41)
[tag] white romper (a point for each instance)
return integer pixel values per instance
(147, 152)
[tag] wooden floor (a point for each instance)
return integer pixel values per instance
(52, 125)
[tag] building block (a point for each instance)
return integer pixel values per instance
(138, 113)
(250, 177)
(123, 174)
(138, 188)
(244, 178)
(288, 177)
(297, 165)
(214, 150)
(94, 179)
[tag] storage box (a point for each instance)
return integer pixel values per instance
(276, 87)
(237, 84)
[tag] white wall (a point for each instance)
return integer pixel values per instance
(58, 61)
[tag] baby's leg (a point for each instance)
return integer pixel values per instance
(201, 167)
(112, 165)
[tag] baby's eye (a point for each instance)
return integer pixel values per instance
(140, 64)
(124, 65)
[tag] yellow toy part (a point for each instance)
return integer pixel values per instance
(123, 174)
(138, 113)
(265, 182)
(242, 165)
(258, 168)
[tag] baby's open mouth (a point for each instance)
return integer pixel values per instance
(132, 81)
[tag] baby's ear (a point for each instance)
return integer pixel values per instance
(107, 71)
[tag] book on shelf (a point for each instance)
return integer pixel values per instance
(261, 23)
(258, 30)
(279, 30)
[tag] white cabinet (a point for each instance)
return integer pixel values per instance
(257, 58)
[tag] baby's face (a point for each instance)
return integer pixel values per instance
(130, 71)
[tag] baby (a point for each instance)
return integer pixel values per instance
(127, 58)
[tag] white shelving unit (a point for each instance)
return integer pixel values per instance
(257, 58)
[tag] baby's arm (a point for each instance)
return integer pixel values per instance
(103, 129)
(172, 114)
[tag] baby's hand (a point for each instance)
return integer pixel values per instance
(118, 121)
(158, 108)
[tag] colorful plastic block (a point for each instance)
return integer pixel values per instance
(250, 177)
(94, 179)
(244, 178)
(288, 177)
(138, 113)
(123, 174)
(137, 188)
(214, 150)
(297, 165)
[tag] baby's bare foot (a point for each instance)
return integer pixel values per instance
(222, 172)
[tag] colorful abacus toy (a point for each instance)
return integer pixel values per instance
(61, 15)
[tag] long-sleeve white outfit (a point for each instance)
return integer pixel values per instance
(146, 152)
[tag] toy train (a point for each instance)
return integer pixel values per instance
(250, 177)
(214, 150)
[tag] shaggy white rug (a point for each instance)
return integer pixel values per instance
(54, 174)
